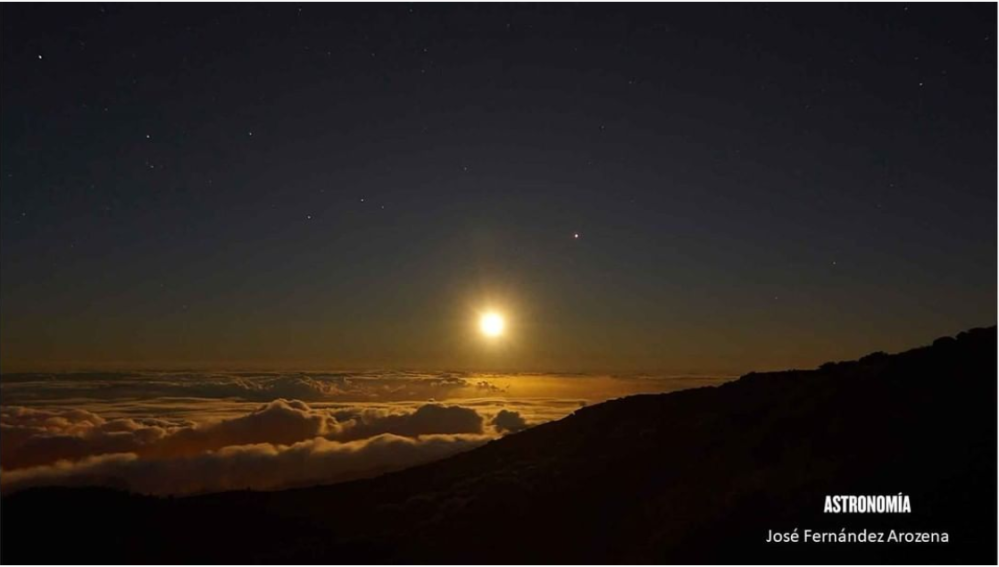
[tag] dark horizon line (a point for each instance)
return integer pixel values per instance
(404, 370)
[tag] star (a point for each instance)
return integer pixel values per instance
(575, 235)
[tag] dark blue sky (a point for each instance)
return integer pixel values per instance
(346, 185)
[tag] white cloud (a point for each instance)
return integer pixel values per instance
(32, 437)
(262, 466)
(507, 421)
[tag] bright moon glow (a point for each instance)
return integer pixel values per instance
(491, 324)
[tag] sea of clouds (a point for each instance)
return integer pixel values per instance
(194, 432)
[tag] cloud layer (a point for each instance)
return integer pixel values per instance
(247, 386)
(39, 446)
(261, 466)
(177, 432)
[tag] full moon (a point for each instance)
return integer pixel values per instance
(491, 324)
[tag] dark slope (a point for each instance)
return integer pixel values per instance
(688, 477)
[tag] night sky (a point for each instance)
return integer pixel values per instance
(643, 188)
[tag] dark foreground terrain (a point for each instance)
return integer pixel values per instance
(697, 476)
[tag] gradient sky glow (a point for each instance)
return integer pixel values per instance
(642, 188)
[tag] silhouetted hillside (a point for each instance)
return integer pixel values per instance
(688, 477)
